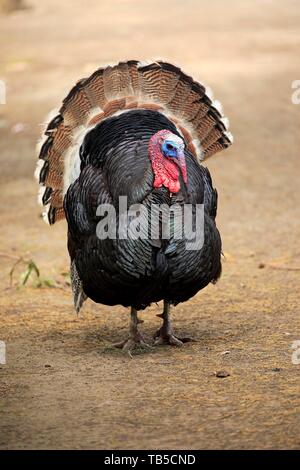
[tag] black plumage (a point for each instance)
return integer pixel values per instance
(115, 162)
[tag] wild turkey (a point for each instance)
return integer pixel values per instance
(138, 130)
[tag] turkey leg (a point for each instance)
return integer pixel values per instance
(165, 334)
(135, 337)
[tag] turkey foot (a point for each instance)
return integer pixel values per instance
(165, 334)
(162, 337)
(135, 340)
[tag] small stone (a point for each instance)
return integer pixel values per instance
(224, 353)
(276, 369)
(261, 265)
(222, 374)
(48, 365)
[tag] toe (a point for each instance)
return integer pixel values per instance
(168, 339)
(129, 345)
(132, 343)
(186, 339)
(119, 345)
(173, 341)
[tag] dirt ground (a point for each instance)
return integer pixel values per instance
(64, 386)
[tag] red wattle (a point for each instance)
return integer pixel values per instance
(166, 172)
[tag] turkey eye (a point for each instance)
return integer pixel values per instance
(169, 147)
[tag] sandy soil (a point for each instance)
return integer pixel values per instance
(64, 386)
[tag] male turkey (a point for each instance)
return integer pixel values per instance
(136, 130)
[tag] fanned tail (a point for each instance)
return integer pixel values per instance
(114, 89)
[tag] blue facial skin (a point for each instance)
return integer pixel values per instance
(170, 149)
